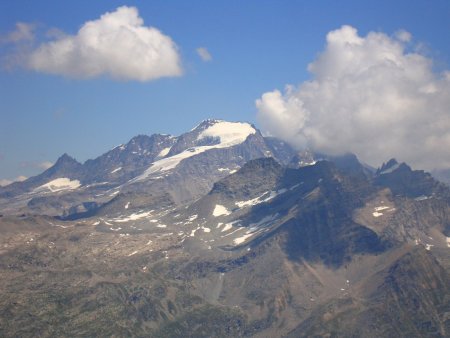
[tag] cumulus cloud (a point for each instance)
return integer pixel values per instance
(22, 32)
(370, 96)
(117, 44)
(4, 182)
(403, 35)
(36, 165)
(204, 54)
(45, 165)
(16, 45)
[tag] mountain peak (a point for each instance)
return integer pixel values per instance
(211, 132)
(65, 159)
(388, 167)
(138, 138)
(205, 124)
(227, 132)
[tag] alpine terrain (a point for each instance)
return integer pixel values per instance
(223, 232)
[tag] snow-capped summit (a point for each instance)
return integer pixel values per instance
(208, 135)
(229, 133)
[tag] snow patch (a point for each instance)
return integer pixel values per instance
(267, 196)
(168, 163)
(127, 205)
(242, 239)
(422, 198)
(120, 146)
(227, 227)
(306, 163)
(254, 201)
(132, 217)
(59, 184)
(234, 231)
(390, 169)
(193, 232)
(192, 218)
(381, 208)
(377, 212)
(116, 170)
(163, 153)
(220, 210)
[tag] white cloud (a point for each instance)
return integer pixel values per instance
(369, 96)
(4, 182)
(403, 35)
(117, 44)
(204, 54)
(35, 165)
(45, 165)
(22, 32)
(16, 45)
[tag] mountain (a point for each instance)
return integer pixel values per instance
(185, 167)
(64, 166)
(222, 232)
(406, 298)
(126, 160)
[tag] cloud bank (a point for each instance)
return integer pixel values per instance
(370, 96)
(117, 44)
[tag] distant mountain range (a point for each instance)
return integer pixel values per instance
(222, 232)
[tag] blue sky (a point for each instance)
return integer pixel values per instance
(255, 47)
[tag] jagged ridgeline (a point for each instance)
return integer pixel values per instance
(222, 232)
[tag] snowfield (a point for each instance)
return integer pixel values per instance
(59, 184)
(229, 133)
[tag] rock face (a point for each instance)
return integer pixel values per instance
(409, 300)
(126, 161)
(221, 232)
(400, 179)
